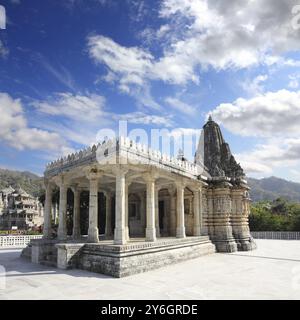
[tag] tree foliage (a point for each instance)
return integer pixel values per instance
(277, 215)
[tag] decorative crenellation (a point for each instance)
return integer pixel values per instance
(123, 146)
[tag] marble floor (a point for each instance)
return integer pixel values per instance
(270, 272)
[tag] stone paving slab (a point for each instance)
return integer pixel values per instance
(270, 272)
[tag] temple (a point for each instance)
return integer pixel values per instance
(145, 209)
(19, 210)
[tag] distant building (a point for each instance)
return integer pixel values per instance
(20, 210)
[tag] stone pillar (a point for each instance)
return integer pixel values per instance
(150, 220)
(120, 232)
(127, 184)
(108, 231)
(157, 227)
(76, 214)
(143, 210)
(203, 211)
(180, 229)
(172, 212)
(47, 212)
(93, 232)
(197, 226)
(62, 226)
(239, 220)
(222, 235)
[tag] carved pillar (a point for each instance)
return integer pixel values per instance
(62, 226)
(197, 227)
(76, 213)
(157, 227)
(93, 232)
(120, 232)
(108, 231)
(239, 220)
(150, 228)
(180, 229)
(47, 212)
(203, 211)
(222, 236)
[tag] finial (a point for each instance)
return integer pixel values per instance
(210, 117)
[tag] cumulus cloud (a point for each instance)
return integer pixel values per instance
(265, 115)
(200, 34)
(274, 153)
(272, 116)
(14, 129)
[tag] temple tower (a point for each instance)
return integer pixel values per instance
(227, 198)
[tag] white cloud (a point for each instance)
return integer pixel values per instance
(132, 63)
(266, 115)
(273, 153)
(14, 129)
(294, 81)
(197, 34)
(180, 106)
(79, 107)
(255, 86)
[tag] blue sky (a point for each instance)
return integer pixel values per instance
(70, 68)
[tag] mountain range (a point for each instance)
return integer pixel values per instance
(261, 189)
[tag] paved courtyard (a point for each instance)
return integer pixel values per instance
(270, 272)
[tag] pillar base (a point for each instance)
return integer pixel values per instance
(62, 237)
(150, 234)
(245, 244)
(120, 236)
(76, 234)
(93, 235)
(225, 245)
(157, 230)
(197, 231)
(127, 233)
(180, 232)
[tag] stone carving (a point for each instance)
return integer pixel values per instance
(218, 158)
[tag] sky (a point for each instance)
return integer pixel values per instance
(69, 68)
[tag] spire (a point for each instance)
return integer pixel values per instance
(218, 158)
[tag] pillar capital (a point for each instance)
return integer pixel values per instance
(61, 181)
(93, 173)
(149, 177)
(119, 170)
(48, 184)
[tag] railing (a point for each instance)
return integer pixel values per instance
(276, 235)
(16, 241)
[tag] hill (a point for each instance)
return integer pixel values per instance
(272, 188)
(28, 181)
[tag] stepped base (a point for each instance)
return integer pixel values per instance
(118, 261)
(126, 260)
